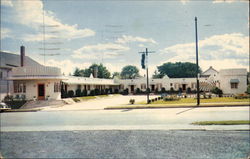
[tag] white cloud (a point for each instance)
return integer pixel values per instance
(126, 39)
(30, 13)
(224, 51)
(229, 1)
(108, 50)
(5, 33)
(7, 3)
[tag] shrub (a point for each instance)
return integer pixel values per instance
(171, 90)
(97, 91)
(64, 94)
(163, 90)
(71, 93)
(189, 90)
(180, 90)
(248, 89)
(171, 98)
(76, 100)
(148, 90)
(8, 98)
(110, 91)
(218, 91)
(92, 93)
(106, 91)
(84, 93)
(132, 101)
(125, 92)
(116, 91)
(137, 91)
(78, 92)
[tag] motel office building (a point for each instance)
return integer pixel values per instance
(23, 77)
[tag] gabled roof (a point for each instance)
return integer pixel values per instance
(10, 60)
(209, 69)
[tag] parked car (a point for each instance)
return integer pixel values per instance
(3, 106)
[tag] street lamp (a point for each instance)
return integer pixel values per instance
(197, 64)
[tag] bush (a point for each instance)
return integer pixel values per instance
(8, 98)
(171, 98)
(71, 93)
(76, 100)
(248, 89)
(64, 94)
(97, 91)
(92, 93)
(106, 91)
(116, 91)
(78, 93)
(15, 104)
(189, 90)
(132, 101)
(171, 90)
(125, 92)
(218, 91)
(163, 90)
(110, 91)
(137, 91)
(84, 93)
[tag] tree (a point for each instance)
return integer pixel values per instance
(102, 71)
(129, 72)
(177, 70)
(116, 74)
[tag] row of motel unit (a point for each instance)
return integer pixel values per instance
(21, 76)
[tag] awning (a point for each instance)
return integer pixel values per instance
(234, 81)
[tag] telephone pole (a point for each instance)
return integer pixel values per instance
(197, 64)
(146, 58)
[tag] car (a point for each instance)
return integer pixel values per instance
(3, 105)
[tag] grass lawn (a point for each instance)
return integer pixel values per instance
(192, 100)
(227, 122)
(77, 99)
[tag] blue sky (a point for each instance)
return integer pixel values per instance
(113, 32)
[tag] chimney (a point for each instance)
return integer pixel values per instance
(95, 72)
(22, 55)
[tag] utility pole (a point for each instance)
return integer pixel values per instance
(197, 64)
(146, 58)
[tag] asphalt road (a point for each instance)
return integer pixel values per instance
(142, 119)
(126, 144)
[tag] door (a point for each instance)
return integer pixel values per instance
(184, 87)
(152, 87)
(41, 92)
(132, 88)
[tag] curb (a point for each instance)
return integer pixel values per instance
(188, 106)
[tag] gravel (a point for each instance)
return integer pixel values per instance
(126, 144)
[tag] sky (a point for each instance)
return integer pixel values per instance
(78, 33)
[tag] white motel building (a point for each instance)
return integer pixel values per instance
(22, 77)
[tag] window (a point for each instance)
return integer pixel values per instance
(234, 85)
(1, 75)
(57, 87)
(19, 87)
(143, 86)
(171, 84)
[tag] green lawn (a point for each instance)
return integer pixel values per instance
(77, 99)
(227, 122)
(192, 100)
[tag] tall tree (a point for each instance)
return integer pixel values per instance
(102, 71)
(129, 72)
(177, 70)
(116, 74)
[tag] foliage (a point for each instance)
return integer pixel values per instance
(227, 122)
(248, 89)
(84, 93)
(71, 93)
(171, 98)
(15, 104)
(125, 91)
(78, 92)
(137, 91)
(132, 101)
(242, 96)
(64, 94)
(116, 74)
(101, 73)
(163, 90)
(217, 90)
(129, 72)
(97, 91)
(189, 90)
(177, 70)
(76, 100)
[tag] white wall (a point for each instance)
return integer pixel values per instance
(227, 74)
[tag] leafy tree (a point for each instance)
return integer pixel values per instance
(102, 71)
(116, 74)
(129, 72)
(177, 70)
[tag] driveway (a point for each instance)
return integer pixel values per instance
(99, 103)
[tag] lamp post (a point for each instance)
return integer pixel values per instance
(197, 64)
